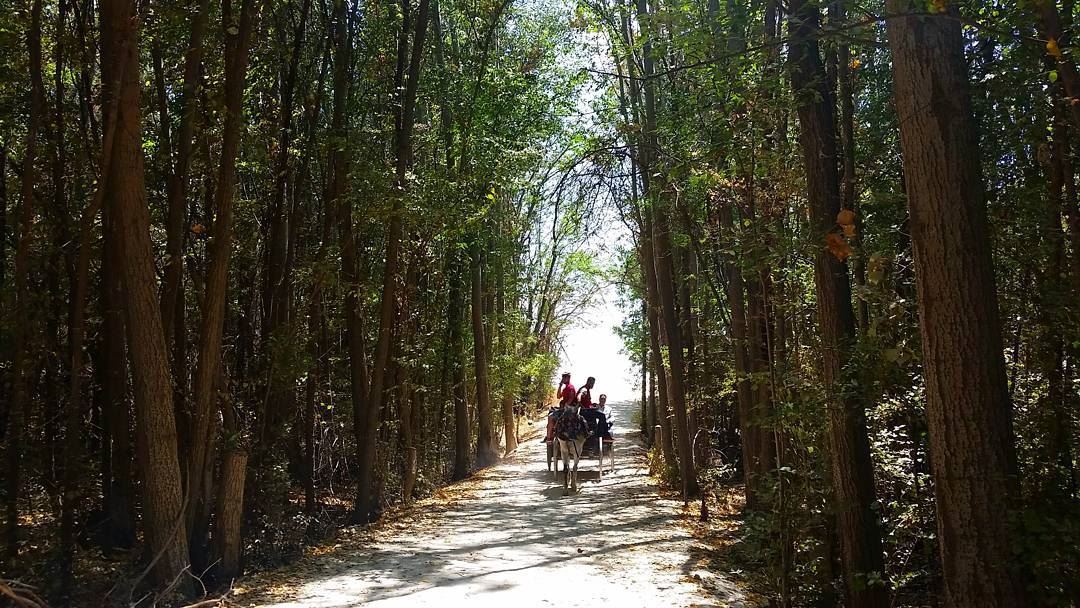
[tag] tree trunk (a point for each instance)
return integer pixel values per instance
(664, 264)
(846, 81)
(968, 409)
(217, 276)
(172, 288)
(852, 470)
(20, 344)
(281, 393)
(1052, 28)
(407, 395)
(455, 339)
(764, 437)
(230, 515)
(3, 245)
(154, 422)
(364, 510)
(645, 254)
(506, 348)
(486, 446)
(315, 349)
(115, 405)
(736, 295)
(342, 209)
(670, 322)
(61, 261)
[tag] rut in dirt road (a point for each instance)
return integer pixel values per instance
(516, 541)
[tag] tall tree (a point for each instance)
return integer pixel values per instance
(455, 343)
(486, 447)
(663, 260)
(852, 471)
(281, 393)
(968, 409)
(155, 427)
(172, 288)
(238, 29)
(409, 67)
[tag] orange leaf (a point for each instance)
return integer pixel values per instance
(849, 230)
(846, 217)
(1053, 48)
(838, 246)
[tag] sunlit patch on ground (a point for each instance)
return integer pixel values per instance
(508, 537)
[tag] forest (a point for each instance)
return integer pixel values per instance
(273, 269)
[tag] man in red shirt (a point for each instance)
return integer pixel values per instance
(585, 396)
(567, 394)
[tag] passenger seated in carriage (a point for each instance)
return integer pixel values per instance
(597, 418)
(608, 413)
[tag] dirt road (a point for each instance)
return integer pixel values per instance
(511, 539)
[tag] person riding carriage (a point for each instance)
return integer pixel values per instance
(595, 415)
(578, 428)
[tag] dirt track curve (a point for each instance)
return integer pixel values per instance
(511, 539)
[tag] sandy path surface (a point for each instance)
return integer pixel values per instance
(511, 539)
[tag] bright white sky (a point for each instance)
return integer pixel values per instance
(593, 349)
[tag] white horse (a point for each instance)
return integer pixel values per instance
(570, 438)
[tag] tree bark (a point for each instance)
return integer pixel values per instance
(645, 254)
(230, 515)
(1052, 28)
(73, 439)
(846, 81)
(112, 371)
(154, 421)
(748, 427)
(852, 470)
(968, 409)
(3, 245)
(339, 165)
(506, 346)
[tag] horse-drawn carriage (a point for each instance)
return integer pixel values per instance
(599, 443)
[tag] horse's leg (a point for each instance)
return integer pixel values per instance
(600, 445)
(566, 465)
(556, 453)
(577, 457)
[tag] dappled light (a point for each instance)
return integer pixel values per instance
(302, 301)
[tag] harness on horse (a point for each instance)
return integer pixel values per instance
(571, 425)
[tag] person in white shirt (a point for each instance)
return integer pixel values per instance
(609, 414)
